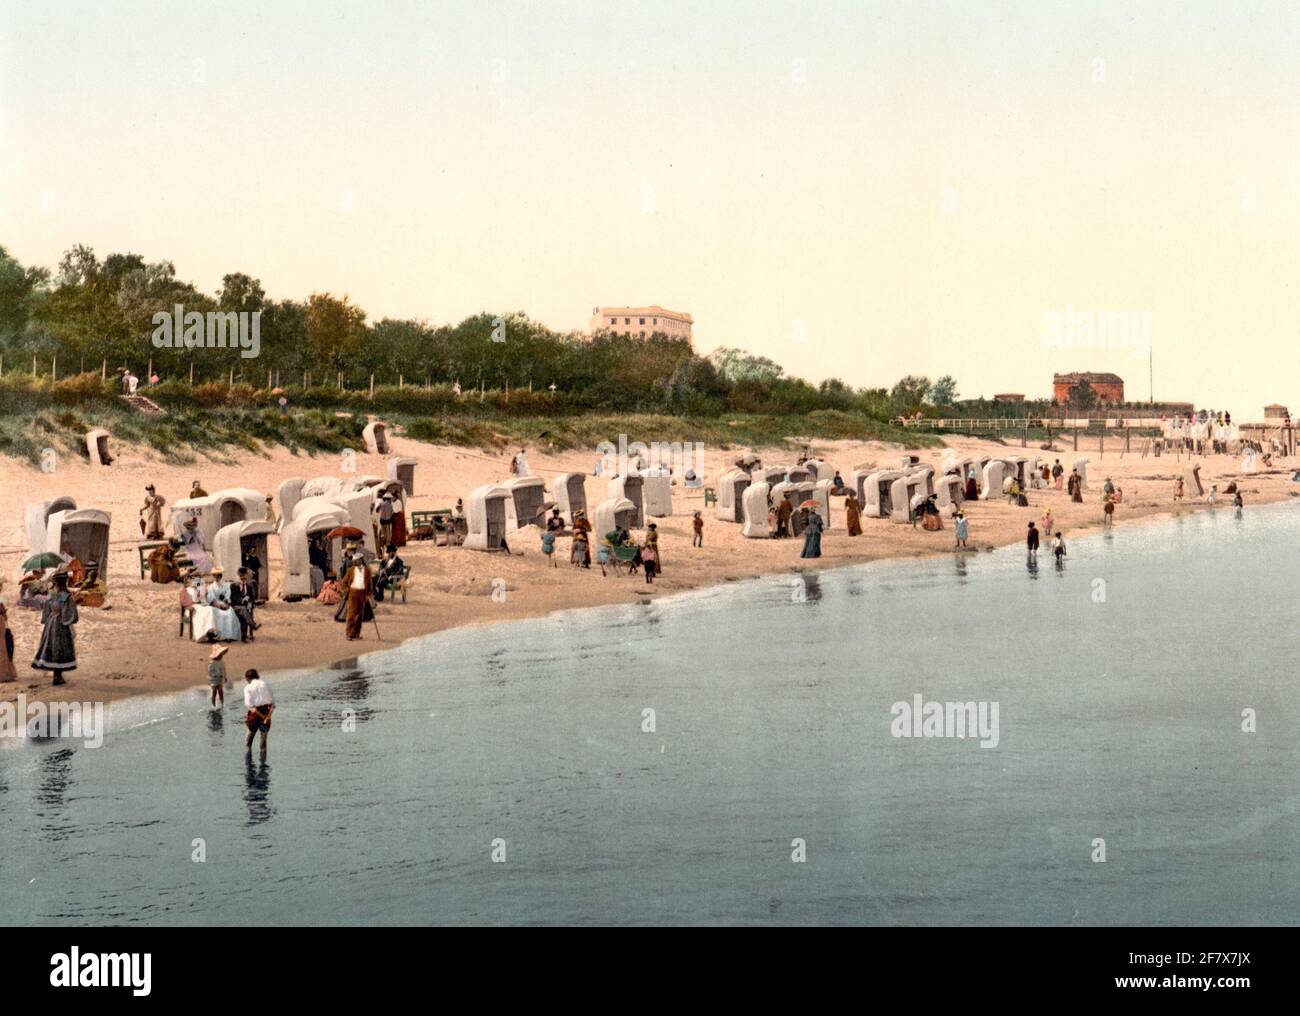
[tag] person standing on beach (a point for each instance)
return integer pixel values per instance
(853, 514)
(963, 529)
(972, 485)
(783, 513)
(260, 704)
(1178, 489)
(217, 679)
(57, 651)
(384, 512)
(1108, 510)
(1047, 522)
(652, 541)
(358, 584)
(649, 557)
(1031, 540)
(8, 672)
(243, 599)
(580, 552)
(1237, 502)
(1058, 471)
(151, 514)
(1075, 487)
(697, 524)
(812, 535)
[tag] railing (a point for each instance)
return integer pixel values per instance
(1034, 423)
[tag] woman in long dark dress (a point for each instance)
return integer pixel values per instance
(812, 535)
(57, 652)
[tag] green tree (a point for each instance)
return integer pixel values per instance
(737, 365)
(944, 391)
(1083, 396)
(909, 394)
(336, 331)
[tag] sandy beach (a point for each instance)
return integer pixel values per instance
(131, 647)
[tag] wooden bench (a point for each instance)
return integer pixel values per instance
(430, 516)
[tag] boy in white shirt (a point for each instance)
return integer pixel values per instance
(261, 704)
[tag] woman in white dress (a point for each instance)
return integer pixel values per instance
(225, 620)
(203, 617)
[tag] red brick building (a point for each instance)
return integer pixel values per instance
(1109, 387)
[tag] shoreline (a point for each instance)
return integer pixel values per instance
(160, 697)
(132, 650)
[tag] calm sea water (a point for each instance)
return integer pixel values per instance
(1119, 720)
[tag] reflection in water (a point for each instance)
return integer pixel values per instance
(960, 561)
(257, 789)
(216, 721)
(354, 685)
(1060, 564)
(1031, 562)
(812, 588)
(56, 773)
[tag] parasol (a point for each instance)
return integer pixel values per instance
(43, 560)
(810, 503)
(345, 532)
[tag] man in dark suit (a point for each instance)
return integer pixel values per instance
(243, 598)
(390, 572)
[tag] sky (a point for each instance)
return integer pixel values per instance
(861, 190)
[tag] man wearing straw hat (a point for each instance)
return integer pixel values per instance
(358, 585)
(217, 679)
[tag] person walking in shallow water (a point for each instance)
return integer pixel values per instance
(260, 704)
(1031, 540)
(217, 679)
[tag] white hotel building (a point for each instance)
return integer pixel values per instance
(641, 322)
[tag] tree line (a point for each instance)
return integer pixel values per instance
(90, 314)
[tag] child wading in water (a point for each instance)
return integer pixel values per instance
(1058, 547)
(217, 679)
(698, 539)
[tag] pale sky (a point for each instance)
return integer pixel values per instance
(857, 189)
